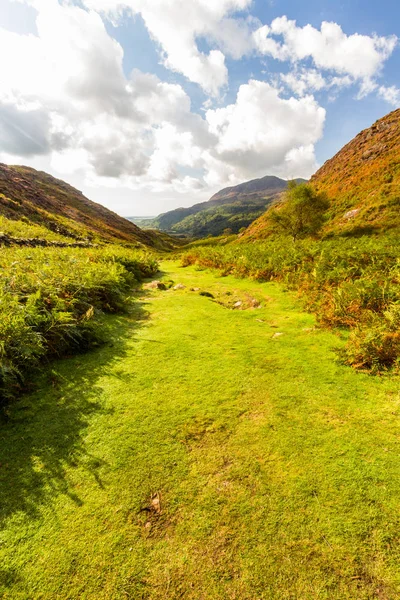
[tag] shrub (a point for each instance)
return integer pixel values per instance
(376, 347)
(51, 299)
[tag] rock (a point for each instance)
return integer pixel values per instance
(276, 335)
(206, 294)
(179, 286)
(155, 503)
(374, 151)
(195, 289)
(255, 303)
(237, 304)
(351, 214)
(155, 285)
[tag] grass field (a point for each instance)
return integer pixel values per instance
(201, 455)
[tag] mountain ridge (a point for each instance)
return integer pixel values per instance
(232, 208)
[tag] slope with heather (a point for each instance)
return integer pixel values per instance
(363, 180)
(31, 199)
(362, 183)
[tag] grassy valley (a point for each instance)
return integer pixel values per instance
(208, 452)
(216, 420)
(232, 208)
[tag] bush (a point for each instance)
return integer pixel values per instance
(377, 346)
(51, 299)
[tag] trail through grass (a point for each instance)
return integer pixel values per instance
(201, 455)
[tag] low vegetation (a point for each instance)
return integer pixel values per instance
(23, 228)
(203, 456)
(51, 300)
(348, 283)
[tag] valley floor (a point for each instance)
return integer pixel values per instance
(203, 456)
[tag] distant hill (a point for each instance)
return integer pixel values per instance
(231, 208)
(362, 182)
(36, 198)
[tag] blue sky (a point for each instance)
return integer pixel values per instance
(147, 105)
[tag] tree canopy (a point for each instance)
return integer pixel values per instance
(302, 213)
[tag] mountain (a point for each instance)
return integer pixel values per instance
(231, 208)
(362, 182)
(38, 199)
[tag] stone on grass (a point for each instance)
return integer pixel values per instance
(155, 285)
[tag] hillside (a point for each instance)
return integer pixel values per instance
(362, 182)
(233, 207)
(37, 202)
(364, 177)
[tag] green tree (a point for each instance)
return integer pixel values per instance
(302, 213)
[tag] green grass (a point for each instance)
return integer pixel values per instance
(277, 468)
(349, 283)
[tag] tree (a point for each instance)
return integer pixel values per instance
(302, 212)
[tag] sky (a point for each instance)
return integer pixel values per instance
(149, 105)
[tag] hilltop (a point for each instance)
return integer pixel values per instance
(232, 207)
(48, 207)
(362, 183)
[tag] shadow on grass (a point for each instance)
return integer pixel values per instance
(44, 433)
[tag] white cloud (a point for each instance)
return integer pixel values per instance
(304, 81)
(176, 25)
(24, 132)
(65, 97)
(65, 91)
(69, 97)
(390, 94)
(265, 133)
(359, 56)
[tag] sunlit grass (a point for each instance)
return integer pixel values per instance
(351, 283)
(276, 468)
